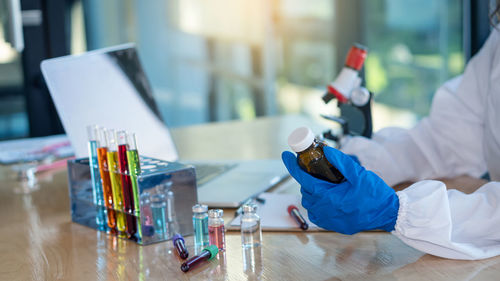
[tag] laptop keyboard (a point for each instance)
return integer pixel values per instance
(207, 172)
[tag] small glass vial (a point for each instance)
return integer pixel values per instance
(251, 232)
(200, 225)
(158, 210)
(310, 156)
(216, 235)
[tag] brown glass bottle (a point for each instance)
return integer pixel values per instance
(310, 156)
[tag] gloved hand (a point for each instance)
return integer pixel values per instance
(362, 202)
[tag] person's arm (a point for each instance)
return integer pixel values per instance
(449, 223)
(446, 144)
(425, 216)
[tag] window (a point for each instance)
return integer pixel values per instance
(414, 46)
(238, 59)
(13, 117)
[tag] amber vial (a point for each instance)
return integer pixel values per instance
(310, 156)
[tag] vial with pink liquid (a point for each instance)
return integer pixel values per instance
(216, 235)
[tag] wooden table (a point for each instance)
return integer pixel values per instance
(40, 242)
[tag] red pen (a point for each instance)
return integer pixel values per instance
(294, 213)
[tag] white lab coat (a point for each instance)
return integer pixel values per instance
(460, 137)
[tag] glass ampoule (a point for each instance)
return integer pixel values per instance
(200, 225)
(310, 156)
(102, 159)
(251, 232)
(116, 184)
(216, 231)
(96, 178)
(158, 211)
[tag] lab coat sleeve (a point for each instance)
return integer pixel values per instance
(448, 143)
(449, 223)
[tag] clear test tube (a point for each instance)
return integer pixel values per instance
(173, 226)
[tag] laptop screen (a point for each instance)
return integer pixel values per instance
(109, 88)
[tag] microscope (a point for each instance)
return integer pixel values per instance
(353, 100)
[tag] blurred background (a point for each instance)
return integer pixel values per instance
(218, 60)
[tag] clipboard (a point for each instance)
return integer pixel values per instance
(274, 215)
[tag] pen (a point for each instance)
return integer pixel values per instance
(294, 213)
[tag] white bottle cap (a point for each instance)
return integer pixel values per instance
(300, 139)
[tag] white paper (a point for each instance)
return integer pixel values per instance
(32, 149)
(274, 213)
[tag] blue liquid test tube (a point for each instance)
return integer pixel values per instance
(200, 225)
(158, 210)
(95, 176)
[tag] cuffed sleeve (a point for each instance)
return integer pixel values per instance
(449, 223)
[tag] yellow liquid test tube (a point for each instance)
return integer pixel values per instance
(116, 183)
(134, 168)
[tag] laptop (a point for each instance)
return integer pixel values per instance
(109, 87)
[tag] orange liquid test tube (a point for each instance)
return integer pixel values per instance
(106, 183)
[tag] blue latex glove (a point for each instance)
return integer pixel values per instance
(362, 202)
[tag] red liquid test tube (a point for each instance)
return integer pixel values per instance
(128, 199)
(180, 246)
(206, 254)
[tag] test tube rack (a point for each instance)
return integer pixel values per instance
(157, 178)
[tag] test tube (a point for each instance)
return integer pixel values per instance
(134, 168)
(128, 199)
(96, 178)
(158, 210)
(216, 233)
(206, 254)
(200, 225)
(147, 216)
(102, 158)
(116, 184)
(180, 246)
